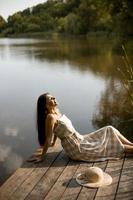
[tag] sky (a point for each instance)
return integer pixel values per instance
(8, 7)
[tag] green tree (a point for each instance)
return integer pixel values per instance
(70, 24)
(32, 27)
(26, 12)
(2, 24)
(59, 10)
(122, 16)
(74, 17)
(15, 22)
(47, 22)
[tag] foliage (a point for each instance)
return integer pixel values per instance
(127, 75)
(73, 17)
(115, 109)
(116, 104)
(2, 24)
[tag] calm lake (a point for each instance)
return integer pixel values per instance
(81, 73)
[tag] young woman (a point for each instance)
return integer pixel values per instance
(103, 144)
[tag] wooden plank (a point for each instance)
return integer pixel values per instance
(73, 188)
(17, 179)
(125, 189)
(59, 187)
(114, 169)
(90, 193)
(54, 179)
(14, 181)
(41, 187)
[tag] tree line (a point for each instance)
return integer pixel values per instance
(72, 17)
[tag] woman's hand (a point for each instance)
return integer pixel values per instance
(52, 144)
(36, 159)
(32, 159)
(39, 159)
(53, 141)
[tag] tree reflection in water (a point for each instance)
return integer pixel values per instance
(115, 109)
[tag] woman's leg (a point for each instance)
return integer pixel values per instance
(124, 140)
(128, 148)
(121, 137)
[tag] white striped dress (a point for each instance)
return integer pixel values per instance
(99, 145)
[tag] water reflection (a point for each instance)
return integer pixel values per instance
(84, 55)
(115, 108)
(11, 131)
(4, 152)
(9, 161)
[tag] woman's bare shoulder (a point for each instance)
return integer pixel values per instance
(51, 117)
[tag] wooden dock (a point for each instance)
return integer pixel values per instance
(54, 179)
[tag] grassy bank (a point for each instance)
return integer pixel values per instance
(52, 33)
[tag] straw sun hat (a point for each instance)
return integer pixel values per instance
(94, 177)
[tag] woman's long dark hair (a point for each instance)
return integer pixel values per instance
(41, 117)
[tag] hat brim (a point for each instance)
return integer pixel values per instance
(107, 180)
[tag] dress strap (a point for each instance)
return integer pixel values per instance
(60, 117)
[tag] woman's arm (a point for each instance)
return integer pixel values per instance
(54, 140)
(49, 126)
